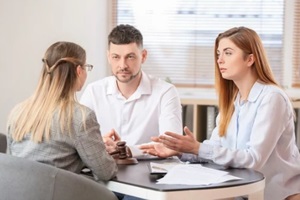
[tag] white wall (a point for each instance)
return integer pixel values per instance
(28, 27)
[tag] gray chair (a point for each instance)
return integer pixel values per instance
(29, 180)
(3, 143)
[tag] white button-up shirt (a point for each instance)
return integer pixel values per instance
(152, 110)
(261, 136)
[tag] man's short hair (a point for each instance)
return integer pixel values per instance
(125, 34)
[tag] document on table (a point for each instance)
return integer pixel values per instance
(193, 174)
(163, 168)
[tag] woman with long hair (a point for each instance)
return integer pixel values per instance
(255, 126)
(51, 126)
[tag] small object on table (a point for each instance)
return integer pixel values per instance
(123, 155)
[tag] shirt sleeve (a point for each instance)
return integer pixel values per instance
(170, 118)
(264, 136)
(87, 98)
(92, 151)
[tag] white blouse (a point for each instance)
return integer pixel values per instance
(260, 136)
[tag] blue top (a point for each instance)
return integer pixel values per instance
(261, 136)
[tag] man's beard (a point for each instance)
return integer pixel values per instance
(130, 78)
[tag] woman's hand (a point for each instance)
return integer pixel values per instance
(181, 143)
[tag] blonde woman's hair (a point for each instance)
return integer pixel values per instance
(55, 93)
(249, 42)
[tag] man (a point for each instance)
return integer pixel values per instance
(131, 105)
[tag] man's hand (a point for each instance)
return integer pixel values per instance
(110, 140)
(157, 149)
(171, 144)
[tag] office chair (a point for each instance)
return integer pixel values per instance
(3, 143)
(30, 180)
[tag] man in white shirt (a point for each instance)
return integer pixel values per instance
(131, 105)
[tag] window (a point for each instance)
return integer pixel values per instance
(179, 34)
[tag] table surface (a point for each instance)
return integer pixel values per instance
(139, 175)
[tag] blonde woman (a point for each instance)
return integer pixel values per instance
(51, 126)
(255, 126)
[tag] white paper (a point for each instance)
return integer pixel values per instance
(195, 174)
(162, 167)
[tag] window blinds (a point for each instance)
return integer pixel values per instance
(179, 34)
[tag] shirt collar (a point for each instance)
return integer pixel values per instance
(143, 88)
(145, 84)
(255, 91)
(112, 87)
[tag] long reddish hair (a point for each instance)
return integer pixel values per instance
(250, 43)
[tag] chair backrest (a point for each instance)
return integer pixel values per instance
(29, 180)
(3, 143)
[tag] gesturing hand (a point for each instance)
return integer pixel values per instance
(157, 149)
(182, 143)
